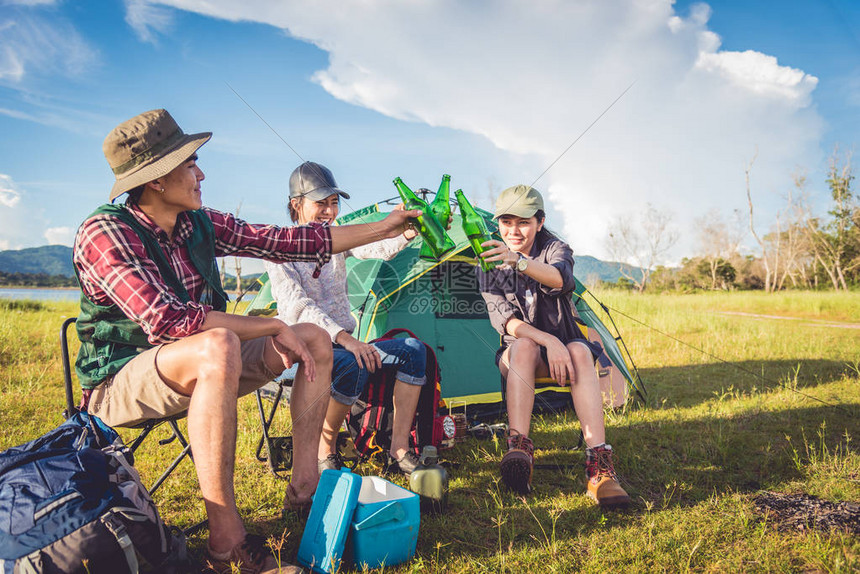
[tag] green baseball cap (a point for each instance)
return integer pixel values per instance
(519, 200)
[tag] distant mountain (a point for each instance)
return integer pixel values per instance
(588, 267)
(57, 260)
(48, 259)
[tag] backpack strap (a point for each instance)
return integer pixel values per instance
(30, 564)
(391, 333)
(117, 528)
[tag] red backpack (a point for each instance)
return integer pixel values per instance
(371, 417)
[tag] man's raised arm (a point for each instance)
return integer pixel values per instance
(345, 237)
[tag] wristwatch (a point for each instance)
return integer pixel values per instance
(522, 263)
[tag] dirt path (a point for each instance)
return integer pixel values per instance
(808, 322)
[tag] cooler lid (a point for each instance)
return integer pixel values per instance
(324, 538)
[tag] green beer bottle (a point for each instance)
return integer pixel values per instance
(441, 208)
(475, 229)
(429, 227)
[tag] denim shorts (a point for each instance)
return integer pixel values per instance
(408, 356)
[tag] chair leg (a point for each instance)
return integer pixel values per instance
(195, 528)
(177, 435)
(186, 451)
(141, 437)
(279, 449)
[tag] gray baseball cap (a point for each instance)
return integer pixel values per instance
(314, 181)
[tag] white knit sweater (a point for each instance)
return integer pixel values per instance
(323, 301)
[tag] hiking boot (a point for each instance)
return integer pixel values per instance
(330, 462)
(405, 465)
(518, 462)
(251, 556)
(603, 485)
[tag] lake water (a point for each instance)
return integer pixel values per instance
(41, 294)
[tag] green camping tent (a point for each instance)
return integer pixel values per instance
(439, 302)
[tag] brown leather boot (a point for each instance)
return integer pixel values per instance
(603, 485)
(518, 462)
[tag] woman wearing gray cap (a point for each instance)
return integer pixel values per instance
(324, 301)
(156, 340)
(529, 303)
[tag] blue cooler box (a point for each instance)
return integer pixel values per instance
(375, 520)
(384, 529)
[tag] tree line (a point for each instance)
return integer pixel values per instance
(36, 280)
(801, 250)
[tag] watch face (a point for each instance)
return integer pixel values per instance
(449, 427)
(522, 264)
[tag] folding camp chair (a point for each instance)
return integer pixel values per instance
(145, 428)
(279, 449)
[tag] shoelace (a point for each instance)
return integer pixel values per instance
(521, 442)
(600, 464)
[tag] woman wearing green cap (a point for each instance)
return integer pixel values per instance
(529, 303)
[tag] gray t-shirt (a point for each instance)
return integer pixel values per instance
(510, 294)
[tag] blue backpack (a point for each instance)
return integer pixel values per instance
(71, 501)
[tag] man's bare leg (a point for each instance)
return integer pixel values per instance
(206, 366)
(308, 403)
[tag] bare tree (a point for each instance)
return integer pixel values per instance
(718, 242)
(642, 241)
(493, 190)
(830, 241)
(796, 260)
(767, 253)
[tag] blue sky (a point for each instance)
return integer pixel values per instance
(490, 92)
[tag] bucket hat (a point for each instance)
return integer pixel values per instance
(519, 200)
(314, 181)
(146, 147)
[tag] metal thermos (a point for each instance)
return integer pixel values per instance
(430, 482)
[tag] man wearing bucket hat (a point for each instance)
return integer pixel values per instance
(529, 303)
(324, 301)
(156, 340)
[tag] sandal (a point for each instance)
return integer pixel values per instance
(292, 503)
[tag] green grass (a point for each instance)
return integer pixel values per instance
(781, 414)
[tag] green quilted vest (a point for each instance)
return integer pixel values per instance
(109, 339)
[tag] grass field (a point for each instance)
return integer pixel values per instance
(738, 405)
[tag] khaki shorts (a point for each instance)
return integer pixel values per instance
(137, 393)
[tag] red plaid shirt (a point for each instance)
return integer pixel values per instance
(114, 268)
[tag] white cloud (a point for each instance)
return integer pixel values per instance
(531, 76)
(9, 195)
(30, 42)
(60, 236)
(761, 74)
(147, 19)
(20, 222)
(12, 214)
